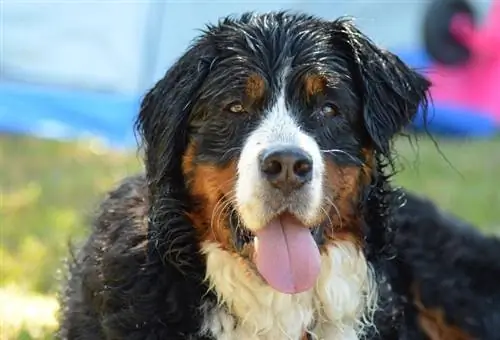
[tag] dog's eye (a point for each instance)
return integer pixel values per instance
(328, 110)
(236, 107)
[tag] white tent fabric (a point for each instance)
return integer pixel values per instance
(124, 45)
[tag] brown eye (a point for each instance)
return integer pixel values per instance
(236, 107)
(328, 110)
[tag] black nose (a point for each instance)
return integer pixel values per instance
(286, 168)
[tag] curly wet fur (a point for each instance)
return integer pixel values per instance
(449, 271)
(141, 274)
(121, 286)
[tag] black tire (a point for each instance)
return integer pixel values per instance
(437, 38)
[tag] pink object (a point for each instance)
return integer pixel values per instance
(476, 84)
(286, 255)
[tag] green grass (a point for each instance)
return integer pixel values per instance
(49, 190)
(461, 176)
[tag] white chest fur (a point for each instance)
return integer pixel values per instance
(339, 306)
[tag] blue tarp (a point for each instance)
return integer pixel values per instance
(65, 114)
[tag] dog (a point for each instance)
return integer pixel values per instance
(448, 271)
(265, 210)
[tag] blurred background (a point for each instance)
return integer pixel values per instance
(72, 74)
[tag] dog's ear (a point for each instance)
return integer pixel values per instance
(391, 92)
(163, 119)
(163, 125)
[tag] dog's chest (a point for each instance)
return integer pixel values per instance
(294, 323)
(249, 309)
(290, 323)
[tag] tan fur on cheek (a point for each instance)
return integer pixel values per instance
(344, 185)
(211, 187)
(368, 166)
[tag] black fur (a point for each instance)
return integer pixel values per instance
(454, 268)
(125, 284)
(378, 75)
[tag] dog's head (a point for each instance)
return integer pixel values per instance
(271, 124)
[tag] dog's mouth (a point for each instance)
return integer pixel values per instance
(285, 253)
(243, 236)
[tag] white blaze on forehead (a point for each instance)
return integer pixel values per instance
(278, 127)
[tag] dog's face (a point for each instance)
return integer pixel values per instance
(275, 120)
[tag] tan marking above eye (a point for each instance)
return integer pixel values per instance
(315, 84)
(255, 87)
(236, 108)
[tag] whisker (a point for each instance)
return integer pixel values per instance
(221, 206)
(236, 148)
(221, 209)
(330, 201)
(232, 199)
(343, 152)
(222, 212)
(218, 207)
(323, 210)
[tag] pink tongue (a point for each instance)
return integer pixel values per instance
(287, 256)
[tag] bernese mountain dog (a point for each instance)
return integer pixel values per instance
(265, 210)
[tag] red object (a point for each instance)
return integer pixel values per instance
(475, 84)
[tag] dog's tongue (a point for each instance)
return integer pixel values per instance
(286, 255)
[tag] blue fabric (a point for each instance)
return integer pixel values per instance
(68, 114)
(449, 120)
(418, 59)
(455, 121)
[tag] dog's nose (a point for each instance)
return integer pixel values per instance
(286, 168)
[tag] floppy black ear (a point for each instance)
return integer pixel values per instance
(391, 92)
(163, 119)
(163, 125)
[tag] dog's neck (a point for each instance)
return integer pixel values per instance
(338, 307)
